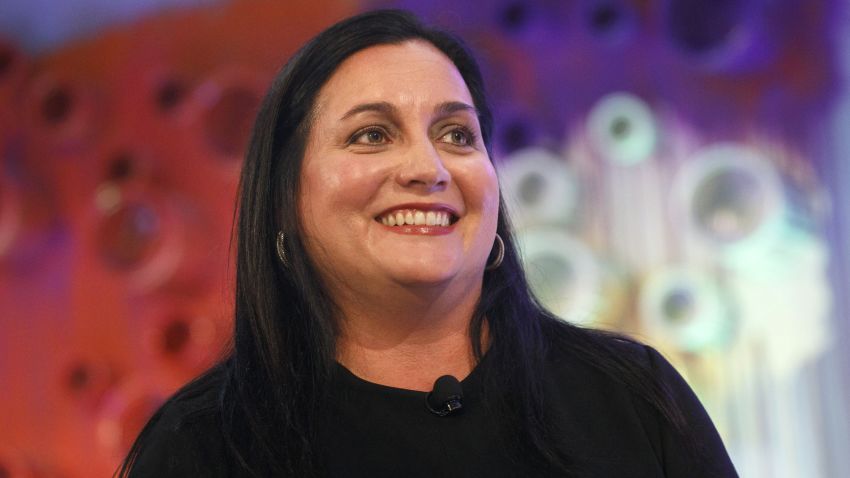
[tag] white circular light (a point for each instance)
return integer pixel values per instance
(562, 272)
(538, 187)
(687, 308)
(728, 194)
(622, 128)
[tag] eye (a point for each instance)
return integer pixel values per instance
(460, 136)
(369, 136)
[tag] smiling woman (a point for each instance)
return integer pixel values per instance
(375, 256)
(401, 141)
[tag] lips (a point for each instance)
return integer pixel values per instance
(419, 218)
(415, 217)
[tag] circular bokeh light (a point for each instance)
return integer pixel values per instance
(129, 235)
(622, 128)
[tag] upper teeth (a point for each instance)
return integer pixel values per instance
(414, 217)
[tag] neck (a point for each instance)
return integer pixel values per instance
(410, 339)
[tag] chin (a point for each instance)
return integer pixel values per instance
(434, 274)
(425, 278)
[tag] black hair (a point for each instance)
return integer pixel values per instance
(275, 379)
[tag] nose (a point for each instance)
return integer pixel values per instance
(423, 169)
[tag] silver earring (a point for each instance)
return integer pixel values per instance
(499, 257)
(281, 249)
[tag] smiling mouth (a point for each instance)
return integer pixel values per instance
(417, 217)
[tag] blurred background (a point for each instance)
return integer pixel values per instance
(676, 169)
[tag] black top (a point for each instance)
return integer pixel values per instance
(374, 430)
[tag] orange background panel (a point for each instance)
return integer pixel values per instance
(120, 162)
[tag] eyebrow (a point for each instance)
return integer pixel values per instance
(377, 107)
(443, 109)
(450, 107)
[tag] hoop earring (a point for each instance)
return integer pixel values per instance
(499, 257)
(281, 249)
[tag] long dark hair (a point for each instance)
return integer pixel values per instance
(273, 383)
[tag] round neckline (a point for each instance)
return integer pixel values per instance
(469, 383)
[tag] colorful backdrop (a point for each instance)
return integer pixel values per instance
(676, 169)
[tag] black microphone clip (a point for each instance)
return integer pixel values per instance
(446, 397)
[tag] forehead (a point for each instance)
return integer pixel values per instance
(412, 73)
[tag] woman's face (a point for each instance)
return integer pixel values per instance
(396, 184)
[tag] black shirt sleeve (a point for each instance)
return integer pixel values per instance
(701, 452)
(181, 445)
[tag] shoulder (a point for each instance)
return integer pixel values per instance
(575, 346)
(635, 390)
(611, 354)
(184, 437)
(597, 368)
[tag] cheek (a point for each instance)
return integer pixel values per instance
(482, 188)
(335, 186)
(493, 192)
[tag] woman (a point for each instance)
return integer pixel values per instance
(374, 256)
